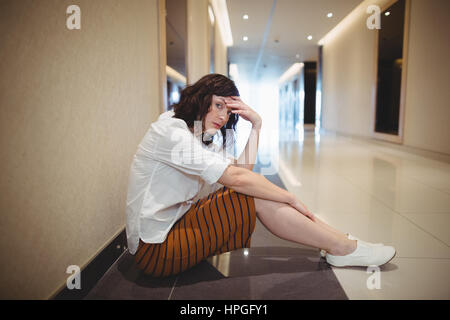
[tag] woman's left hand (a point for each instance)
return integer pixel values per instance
(240, 108)
(301, 207)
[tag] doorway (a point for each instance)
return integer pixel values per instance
(310, 76)
(390, 72)
(176, 35)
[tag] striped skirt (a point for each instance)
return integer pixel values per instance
(221, 222)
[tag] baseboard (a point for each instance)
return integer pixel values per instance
(93, 271)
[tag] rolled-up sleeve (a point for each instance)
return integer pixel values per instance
(179, 148)
(212, 173)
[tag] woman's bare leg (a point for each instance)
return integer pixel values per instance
(287, 223)
(329, 228)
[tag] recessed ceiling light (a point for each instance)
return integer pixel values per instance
(387, 13)
(245, 38)
(309, 37)
(245, 17)
(329, 15)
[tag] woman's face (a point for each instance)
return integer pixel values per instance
(217, 116)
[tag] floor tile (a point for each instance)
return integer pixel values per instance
(379, 194)
(405, 278)
(125, 282)
(333, 194)
(385, 226)
(261, 273)
(403, 194)
(431, 174)
(436, 224)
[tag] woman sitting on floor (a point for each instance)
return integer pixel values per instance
(171, 227)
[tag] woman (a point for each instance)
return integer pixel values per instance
(171, 227)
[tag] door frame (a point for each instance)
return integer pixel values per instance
(162, 55)
(384, 136)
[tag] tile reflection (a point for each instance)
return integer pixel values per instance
(266, 260)
(261, 273)
(221, 263)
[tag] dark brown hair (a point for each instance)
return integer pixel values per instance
(195, 101)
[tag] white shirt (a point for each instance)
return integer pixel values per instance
(170, 171)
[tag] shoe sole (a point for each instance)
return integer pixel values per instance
(344, 266)
(323, 255)
(395, 253)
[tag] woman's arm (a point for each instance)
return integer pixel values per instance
(248, 157)
(256, 185)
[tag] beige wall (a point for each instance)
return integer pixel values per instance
(347, 78)
(73, 107)
(427, 111)
(349, 74)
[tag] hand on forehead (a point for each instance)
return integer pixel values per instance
(224, 99)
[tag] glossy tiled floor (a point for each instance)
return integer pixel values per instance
(379, 194)
(272, 269)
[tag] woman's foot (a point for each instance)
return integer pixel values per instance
(363, 256)
(345, 248)
(323, 252)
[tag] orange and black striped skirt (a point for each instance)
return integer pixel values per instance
(221, 222)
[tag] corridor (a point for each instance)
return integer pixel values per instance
(347, 101)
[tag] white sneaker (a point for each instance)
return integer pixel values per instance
(369, 243)
(323, 252)
(365, 255)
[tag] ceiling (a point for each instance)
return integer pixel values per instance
(288, 27)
